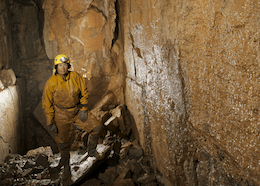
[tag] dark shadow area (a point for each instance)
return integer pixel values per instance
(40, 136)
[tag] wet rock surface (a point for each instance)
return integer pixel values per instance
(192, 82)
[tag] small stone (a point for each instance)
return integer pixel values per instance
(8, 77)
(92, 182)
(146, 178)
(126, 145)
(120, 168)
(135, 151)
(19, 171)
(126, 173)
(136, 168)
(76, 168)
(29, 164)
(1, 85)
(151, 184)
(39, 182)
(44, 150)
(108, 176)
(7, 181)
(124, 182)
(37, 170)
(42, 160)
(27, 172)
(10, 158)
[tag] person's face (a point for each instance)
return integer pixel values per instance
(62, 68)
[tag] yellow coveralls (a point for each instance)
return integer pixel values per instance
(61, 102)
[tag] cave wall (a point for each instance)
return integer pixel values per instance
(11, 122)
(85, 31)
(192, 86)
(6, 37)
(32, 65)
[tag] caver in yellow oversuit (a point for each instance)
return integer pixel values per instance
(64, 104)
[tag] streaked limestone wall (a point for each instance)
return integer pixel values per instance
(193, 86)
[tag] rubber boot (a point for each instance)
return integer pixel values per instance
(64, 159)
(92, 144)
(66, 177)
(93, 141)
(65, 154)
(66, 171)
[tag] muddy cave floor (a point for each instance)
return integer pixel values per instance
(119, 162)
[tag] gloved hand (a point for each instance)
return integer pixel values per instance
(83, 115)
(53, 128)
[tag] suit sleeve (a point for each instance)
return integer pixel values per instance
(84, 93)
(47, 103)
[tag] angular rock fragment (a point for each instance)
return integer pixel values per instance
(12, 157)
(92, 182)
(146, 178)
(27, 172)
(19, 171)
(124, 174)
(1, 85)
(151, 184)
(41, 150)
(135, 167)
(42, 160)
(29, 164)
(7, 77)
(136, 150)
(39, 182)
(109, 176)
(7, 182)
(124, 182)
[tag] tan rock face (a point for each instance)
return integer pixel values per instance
(194, 65)
(83, 30)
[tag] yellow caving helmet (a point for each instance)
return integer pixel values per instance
(61, 58)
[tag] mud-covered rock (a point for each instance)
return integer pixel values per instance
(123, 182)
(108, 176)
(7, 77)
(146, 178)
(7, 181)
(41, 150)
(29, 164)
(135, 151)
(42, 160)
(92, 182)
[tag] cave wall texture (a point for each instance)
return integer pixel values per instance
(10, 125)
(22, 50)
(84, 30)
(188, 72)
(193, 81)
(6, 37)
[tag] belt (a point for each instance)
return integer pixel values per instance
(66, 107)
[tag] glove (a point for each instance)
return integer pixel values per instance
(53, 128)
(83, 115)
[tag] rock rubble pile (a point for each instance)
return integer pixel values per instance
(123, 164)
